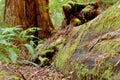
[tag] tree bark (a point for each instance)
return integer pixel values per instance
(29, 13)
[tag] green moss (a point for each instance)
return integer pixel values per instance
(44, 52)
(62, 59)
(56, 43)
(83, 73)
(44, 61)
(65, 53)
(49, 50)
(76, 21)
(87, 9)
(109, 46)
(109, 2)
(110, 20)
(39, 46)
(107, 21)
(81, 70)
(67, 7)
(72, 3)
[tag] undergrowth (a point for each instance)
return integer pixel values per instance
(14, 42)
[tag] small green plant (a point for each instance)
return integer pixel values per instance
(49, 50)
(11, 39)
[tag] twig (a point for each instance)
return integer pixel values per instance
(97, 41)
(28, 62)
(22, 75)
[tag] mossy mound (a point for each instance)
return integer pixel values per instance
(90, 51)
(94, 47)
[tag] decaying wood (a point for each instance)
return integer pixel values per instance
(76, 14)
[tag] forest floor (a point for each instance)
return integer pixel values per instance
(25, 72)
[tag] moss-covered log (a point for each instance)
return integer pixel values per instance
(90, 51)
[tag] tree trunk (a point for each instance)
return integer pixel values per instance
(29, 13)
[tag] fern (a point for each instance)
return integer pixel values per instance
(25, 35)
(30, 48)
(8, 50)
(12, 54)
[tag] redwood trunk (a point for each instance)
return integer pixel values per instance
(29, 13)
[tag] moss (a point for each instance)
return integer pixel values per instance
(44, 61)
(107, 21)
(109, 2)
(109, 46)
(67, 7)
(83, 73)
(72, 3)
(110, 20)
(56, 43)
(47, 53)
(44, 52)
(62, 59)
(87, 9)
(39, 46)
(76, 21)
(81, 70)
